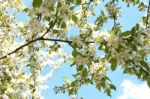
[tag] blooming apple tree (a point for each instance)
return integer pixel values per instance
(26, 47)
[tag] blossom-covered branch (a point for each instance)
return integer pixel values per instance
(38, 39)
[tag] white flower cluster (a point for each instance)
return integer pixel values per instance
(45, 7)
(100, 36)
(76, 40)
(81, 60)
(35, 27)
(120, 48)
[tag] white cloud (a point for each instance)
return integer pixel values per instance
(134, 91)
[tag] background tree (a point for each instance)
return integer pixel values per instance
(28, 47)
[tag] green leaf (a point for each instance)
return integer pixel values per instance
(74, 46)
(36, 3)
(31, 86)
(135, 28)
(76, 75)
(148, 83)
(71, 91)
(55, 31)
(59, 5)
(79, 68)
(98, 86)
(107, 78)
(74, 18)
(103, 84)
(66, 80)
(143, 73)
(78, 2)
(63, 25)
(74, 53)
(89, 81)
(108, 91)
(126, 33)
(145, 64)
(26, 10)
(84, 73)
(72, 84)
(72, 64)
(113, 62)
(127, 70)
(134, 48)
(112, 87)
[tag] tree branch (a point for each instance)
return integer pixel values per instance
(38, 39)
(89, 4)
(22, 46)
(65, 41)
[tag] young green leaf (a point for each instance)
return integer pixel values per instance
(74, 18)
(84, 72)
(108, 92)
(36, 3)
(78, 2)
(74, 53)
(126, 34)
(113, 62)
(112, 87)
(148, 83)
(145, 65)
(79, 68)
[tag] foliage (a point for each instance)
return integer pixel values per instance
(37, 42)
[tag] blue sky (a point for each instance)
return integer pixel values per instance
(130, 16)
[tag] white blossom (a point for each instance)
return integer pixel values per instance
(35, 26)
(77, 40)
(4, 97)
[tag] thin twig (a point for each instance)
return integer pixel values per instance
(46, 32)
(114, 15)
(89, 4)
(50, 26)
(148, 14)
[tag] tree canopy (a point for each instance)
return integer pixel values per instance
(28, 46)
